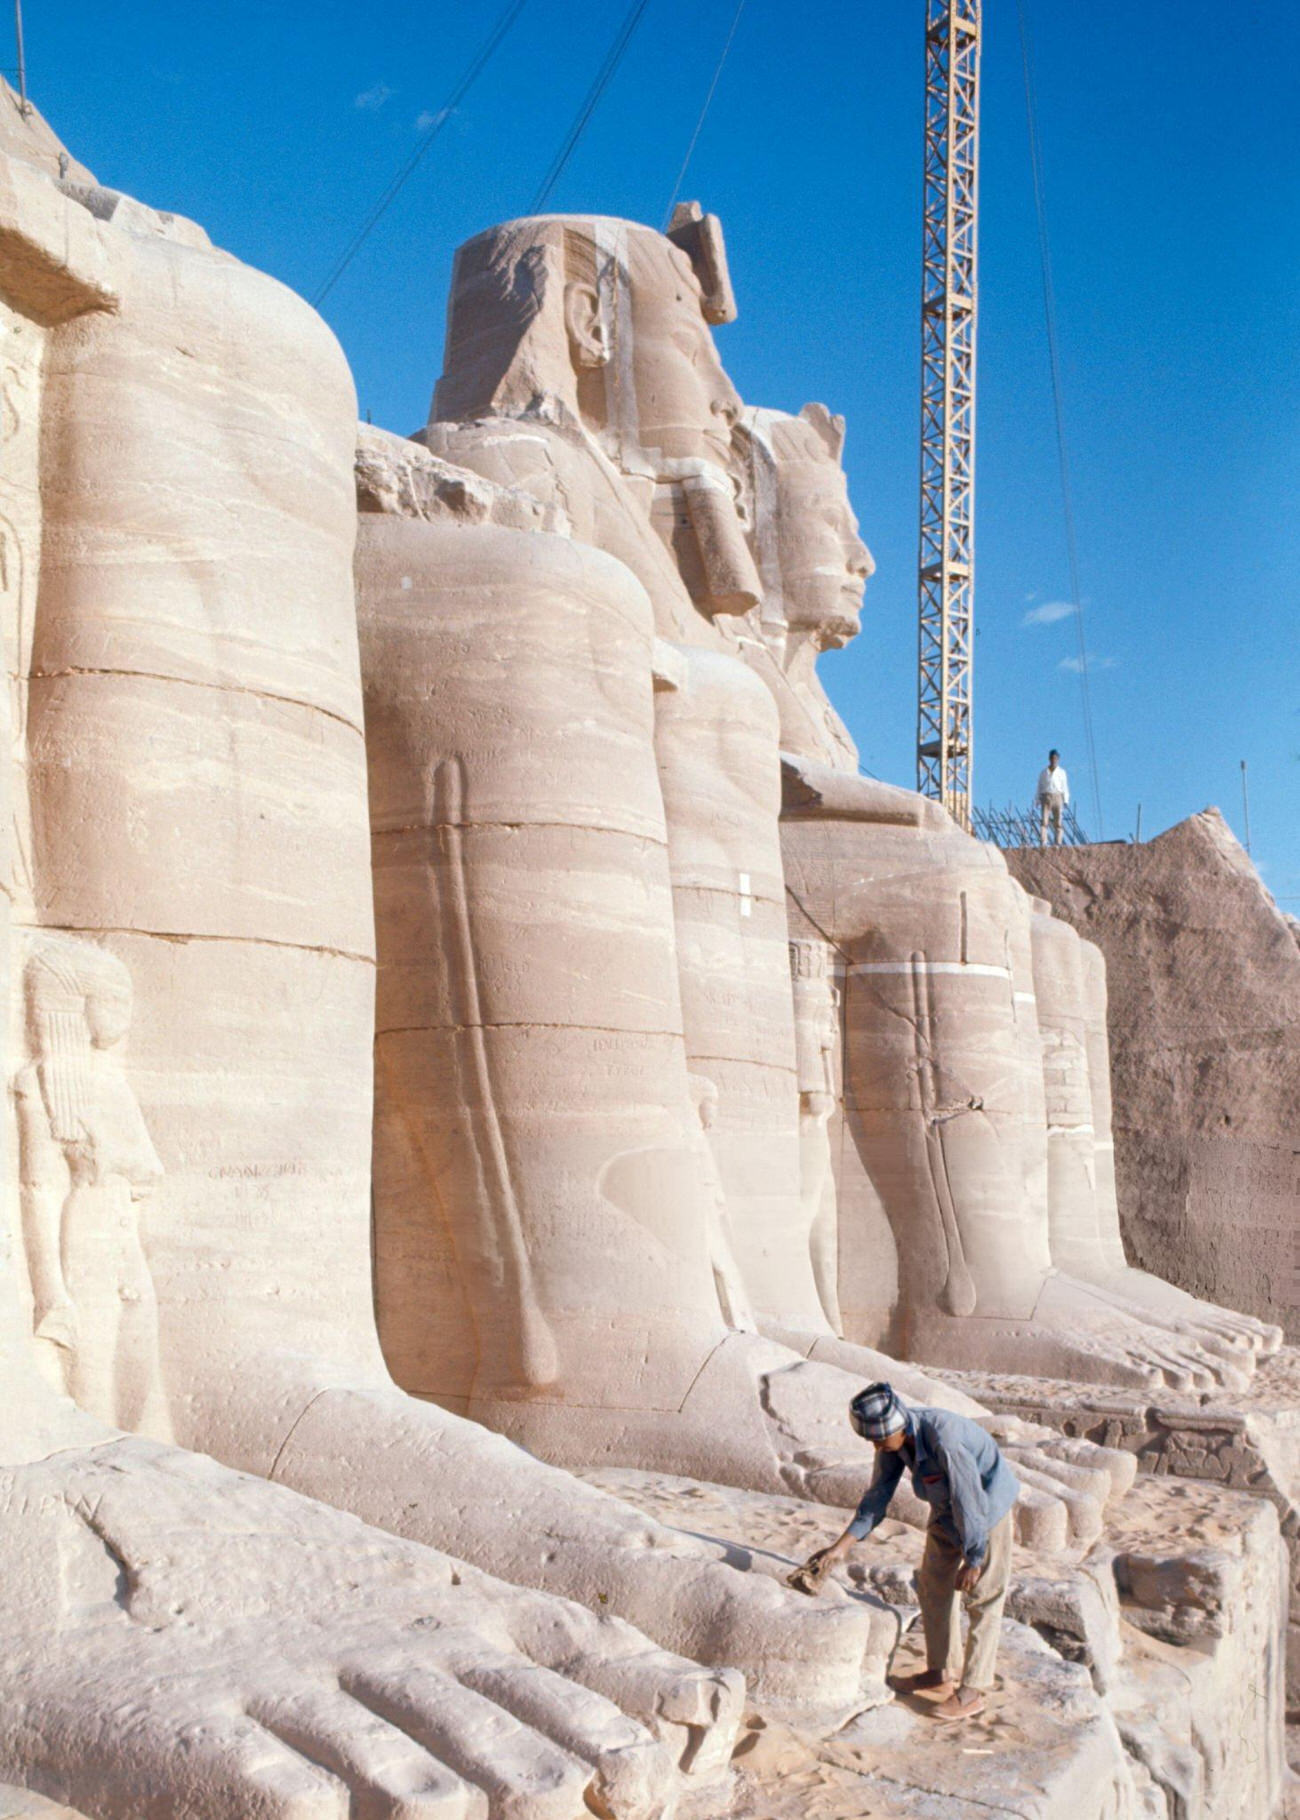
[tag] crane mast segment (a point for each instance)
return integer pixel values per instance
(948, 315)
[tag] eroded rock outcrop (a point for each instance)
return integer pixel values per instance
(1203, 981)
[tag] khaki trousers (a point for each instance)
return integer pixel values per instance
(1050, 811)
(940, 1618)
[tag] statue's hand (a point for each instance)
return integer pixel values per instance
(57, 1323)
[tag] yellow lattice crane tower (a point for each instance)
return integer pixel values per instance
(948, 313)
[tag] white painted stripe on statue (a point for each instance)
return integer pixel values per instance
(974, 969)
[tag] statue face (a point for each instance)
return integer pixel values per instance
(824, 563)
(108, 1015)
(686, 405)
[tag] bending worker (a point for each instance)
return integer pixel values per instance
(1053, 795)
(958, 1470)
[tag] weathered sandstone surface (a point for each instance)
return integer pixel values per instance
(1203, 975)
(1249, 1441)
(412, 1054)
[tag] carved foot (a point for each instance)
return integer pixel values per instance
(414, 1469)
(1219, 1330)
(179, 1638)
(1086, 1334)
(1050, 1478)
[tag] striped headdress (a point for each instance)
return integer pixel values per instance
(876, 1412)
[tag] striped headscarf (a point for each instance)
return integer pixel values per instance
(876, 1412)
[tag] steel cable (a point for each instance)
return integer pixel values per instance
(480, 62)
(604, 76)
(704, 112)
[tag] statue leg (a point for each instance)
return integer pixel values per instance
(131, 1621)
(942, 1093)
(717, 742)
(198, 792)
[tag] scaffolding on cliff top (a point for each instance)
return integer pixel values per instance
(1013, 827)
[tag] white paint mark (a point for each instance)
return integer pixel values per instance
(975, 969)
(746, 895)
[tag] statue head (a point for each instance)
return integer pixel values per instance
(814, 565)
(600, 319)
(78, 1000)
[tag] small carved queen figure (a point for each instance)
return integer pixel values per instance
(87, 1162)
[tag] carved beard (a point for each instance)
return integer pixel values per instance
(828, 631)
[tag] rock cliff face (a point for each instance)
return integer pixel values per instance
(1204, 980)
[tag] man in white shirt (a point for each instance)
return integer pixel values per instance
(1053, 795)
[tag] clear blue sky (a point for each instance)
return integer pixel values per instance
(1170, 143)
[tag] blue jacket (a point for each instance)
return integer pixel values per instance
(957, 1469)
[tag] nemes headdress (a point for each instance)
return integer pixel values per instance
(62, 975)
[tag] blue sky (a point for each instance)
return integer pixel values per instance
(1172, 165)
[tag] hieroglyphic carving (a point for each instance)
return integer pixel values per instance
(11, 417)
(958, 1295)
(11, 567)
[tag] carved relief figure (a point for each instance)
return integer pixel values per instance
(816, 1025)
(88, 1164)
(733, 1298)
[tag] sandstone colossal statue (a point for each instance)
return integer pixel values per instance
(607, 1214)
(579, 352)
(961, 1164)
(190, 817)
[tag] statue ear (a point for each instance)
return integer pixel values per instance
(586, 325)
(829, 427)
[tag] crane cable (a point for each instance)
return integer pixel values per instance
(704, 112)
(604, 77)
(482, 58)
(1054, 361)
